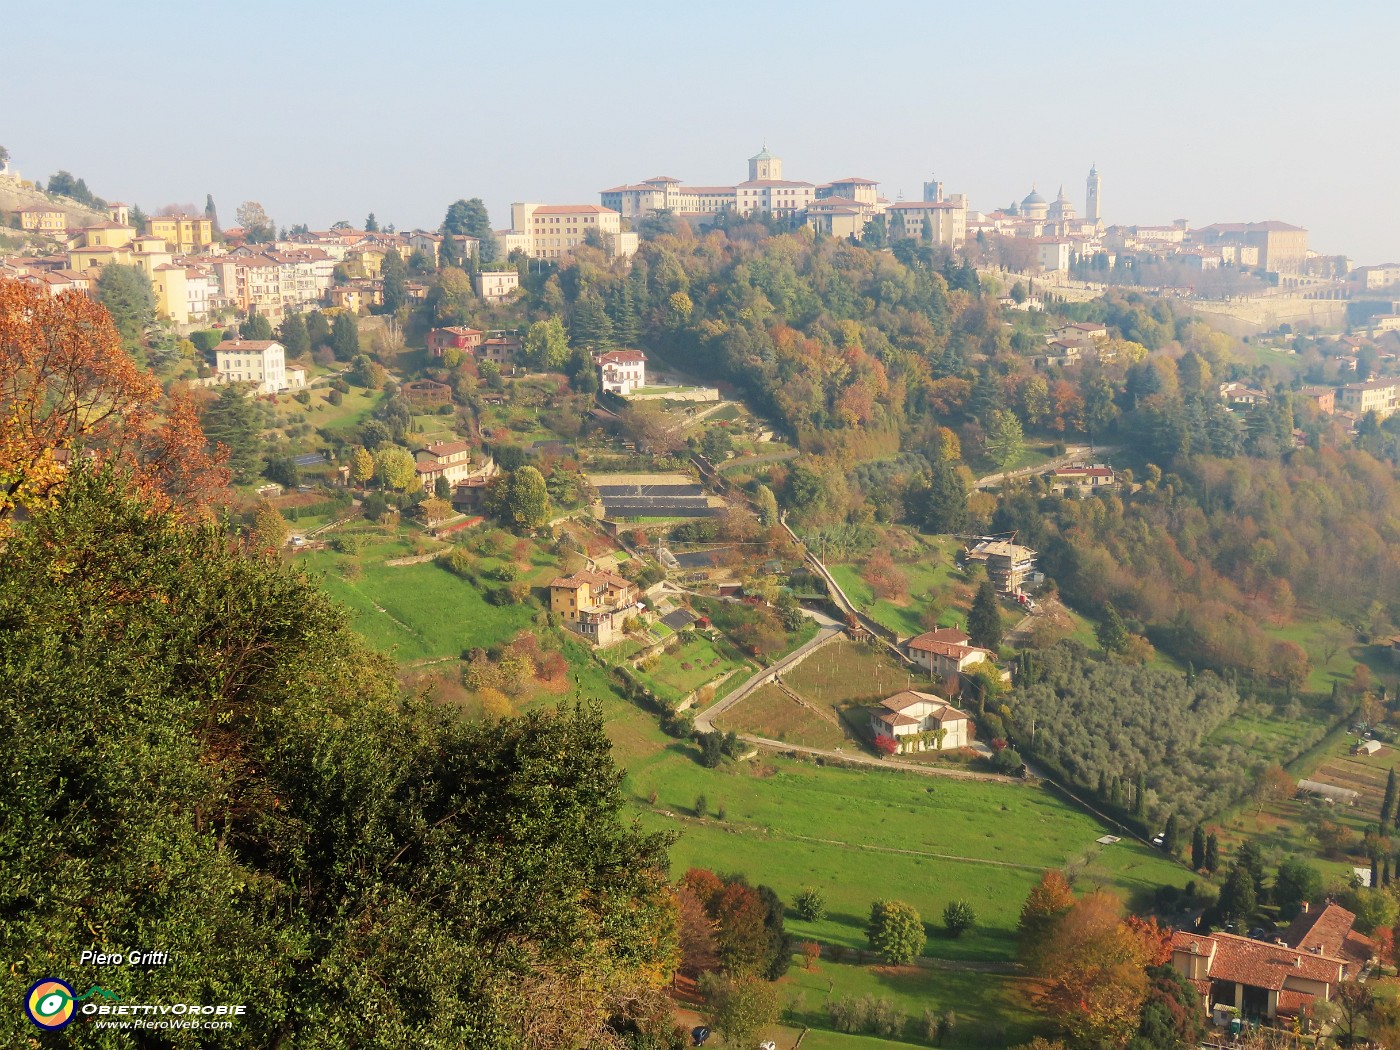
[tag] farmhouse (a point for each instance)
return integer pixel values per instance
(593, 604)
(1078, 480)
(921, 722)
(1259, 979)
(945, 652)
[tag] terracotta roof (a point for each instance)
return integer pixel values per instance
(663, 178)
(920, 205)
(1329, 930)
(954, 635)
(854, 180)
(617, 357)
(589, 579)
(1257, 963)
(908, 698)
(447, 448)
(952, 650)
(893, 718)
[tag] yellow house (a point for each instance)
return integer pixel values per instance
(184, 233)
(108, 235)
(172, 295)
(369, 260)
(96, 258)
(43, 220)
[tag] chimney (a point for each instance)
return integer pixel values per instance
(1297, 962)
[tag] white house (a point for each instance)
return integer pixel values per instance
(623, 371)
(495, 285)
(945, 652)
(921, 722)
(260, 361)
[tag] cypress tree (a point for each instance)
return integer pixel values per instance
(984, 619)
(1171, 835)
(1388, 803)
(1198, 848)
(1212, 853)
(1375, 874)
(1140, 795)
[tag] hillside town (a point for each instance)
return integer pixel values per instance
(715, 610)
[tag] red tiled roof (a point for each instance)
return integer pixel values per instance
(447, 448)
(908, 698)
(617, 357)
(1256, 963)
(588, 579)
(893, 718)
(1329, 930)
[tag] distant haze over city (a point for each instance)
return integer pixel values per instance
(1209, 113)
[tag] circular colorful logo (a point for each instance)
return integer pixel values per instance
(49, 1003)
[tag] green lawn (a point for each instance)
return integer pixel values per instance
(1333, 650)
(929, 565)
(863, 834)
(991, 1009)
(417, 612)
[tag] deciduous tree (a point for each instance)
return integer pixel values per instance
(896, 931)
(67, 389)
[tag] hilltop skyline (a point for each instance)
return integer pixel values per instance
(553, 104)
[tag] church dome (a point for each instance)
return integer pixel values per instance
(1032, 198)
(762, 155)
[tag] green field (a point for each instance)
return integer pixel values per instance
(417, 612)
(670, 681)
(929, 565)
(845, 670)
(990, 1008)
(863, 834)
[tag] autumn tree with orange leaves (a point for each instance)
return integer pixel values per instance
(1095, 975)
(67, 388)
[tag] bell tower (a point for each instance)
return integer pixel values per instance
(1091, 195)
(763, 165)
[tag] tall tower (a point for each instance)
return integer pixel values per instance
(763, 165)
(933, 191)
(1091, 195)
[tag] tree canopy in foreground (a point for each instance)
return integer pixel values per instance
(202, 759)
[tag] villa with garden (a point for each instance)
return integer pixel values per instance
(916, 721)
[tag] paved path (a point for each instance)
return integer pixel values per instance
(827, 630)
(860, 758)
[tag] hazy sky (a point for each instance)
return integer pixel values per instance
(1220, 111)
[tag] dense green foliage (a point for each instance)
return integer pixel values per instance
(202, 759)
(126, 293)
(896, 931)
(1110, 727)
